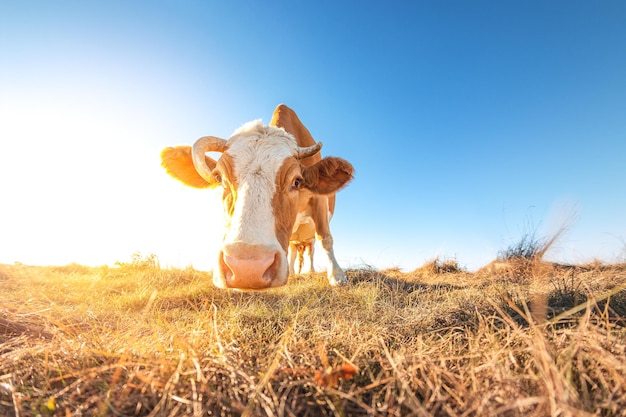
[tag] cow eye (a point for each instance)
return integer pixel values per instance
(218, 177)
(297, 183)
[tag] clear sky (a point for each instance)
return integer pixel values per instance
(468, 122)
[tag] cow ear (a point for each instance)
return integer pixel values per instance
(328, 175)
(287, 119)
(178, 163)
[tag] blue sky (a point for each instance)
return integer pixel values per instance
(468, 123)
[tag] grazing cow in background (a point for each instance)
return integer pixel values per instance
(273, 179)
(297, 249)
(303, 237)
(302, 240)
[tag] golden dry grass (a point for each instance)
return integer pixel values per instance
(138, 340)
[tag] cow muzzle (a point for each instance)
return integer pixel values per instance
(251, 267)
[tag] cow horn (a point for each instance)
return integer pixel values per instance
(203, 145)
(305, 152)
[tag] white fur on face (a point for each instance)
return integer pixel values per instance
(258, 152)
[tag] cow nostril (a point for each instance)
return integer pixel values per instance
(225, 269)
(246, 271)
(250, 267)
(272, 271)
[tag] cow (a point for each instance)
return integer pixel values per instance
(302, 240)
(273, 179)
(297, 249)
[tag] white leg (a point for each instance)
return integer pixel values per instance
(292, 257)
(300, 257)
(335, 273)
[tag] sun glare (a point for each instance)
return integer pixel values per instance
(88, 188)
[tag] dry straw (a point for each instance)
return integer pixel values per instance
(139, 340)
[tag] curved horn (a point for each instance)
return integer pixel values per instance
(203, 145)
(305, 152)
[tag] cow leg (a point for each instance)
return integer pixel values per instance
(293, 249)
(311, 250)
(300, 257)
(335, 273)
(322, 232)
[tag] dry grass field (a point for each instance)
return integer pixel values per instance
(518, 338)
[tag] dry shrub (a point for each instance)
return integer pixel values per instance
(439, 266)
(139, 261)
(520, 270)
(523, 261)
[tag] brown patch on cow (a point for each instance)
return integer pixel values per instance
(225, 170)
(328, 176)
(178, 163)
(319, 214)
(287, 119)
(288, 201)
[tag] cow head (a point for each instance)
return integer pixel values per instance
(264, 185)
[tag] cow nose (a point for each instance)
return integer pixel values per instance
(249, 267)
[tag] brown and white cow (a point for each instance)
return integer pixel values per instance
(297, 249)
(302, 240)
(271, 177)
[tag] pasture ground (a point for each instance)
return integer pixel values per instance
(137, 340)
